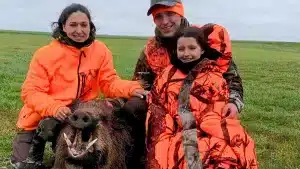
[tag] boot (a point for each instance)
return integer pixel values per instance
(47, 130)
(36, 154)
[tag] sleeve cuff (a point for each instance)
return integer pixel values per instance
(237, 101)
(53, 109)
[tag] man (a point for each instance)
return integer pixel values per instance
(168, 16)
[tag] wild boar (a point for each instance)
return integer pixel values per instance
(93, 137)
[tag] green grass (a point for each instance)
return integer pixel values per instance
(269, 71)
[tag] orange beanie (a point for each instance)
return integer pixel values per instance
(178, 8)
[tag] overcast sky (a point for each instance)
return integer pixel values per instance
(245, 19)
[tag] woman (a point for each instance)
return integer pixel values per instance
(73, 66)
(186, 128)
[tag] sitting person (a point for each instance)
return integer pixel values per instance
(169, 19)
(73, 66)
(185, 126)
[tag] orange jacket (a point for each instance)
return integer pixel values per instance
(158, 57)
(222, 142)
(59, 73)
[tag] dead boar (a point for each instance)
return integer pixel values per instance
(93, 137)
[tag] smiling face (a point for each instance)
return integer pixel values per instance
(167, 22)
(77, 27)
(188, 49)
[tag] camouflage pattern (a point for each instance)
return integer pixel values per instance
(235, 86)
(190, 141)
(232, 77)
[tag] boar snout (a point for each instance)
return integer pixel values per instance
(80, 120)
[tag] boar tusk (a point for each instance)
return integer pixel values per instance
(67, 140)
(91, 143)
(75, 139)
(91, 137)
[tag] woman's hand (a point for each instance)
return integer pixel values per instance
(62, 113)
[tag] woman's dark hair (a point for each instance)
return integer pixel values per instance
(201, 36)
(58, 26)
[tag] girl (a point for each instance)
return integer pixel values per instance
(186, 128)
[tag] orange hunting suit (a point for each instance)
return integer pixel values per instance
(222, 142)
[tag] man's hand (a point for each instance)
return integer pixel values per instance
(230, 111)
(141, 93)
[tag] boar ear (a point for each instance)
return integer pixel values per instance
(103, 104)
(116, 104)
(74, 105)
(108, 106)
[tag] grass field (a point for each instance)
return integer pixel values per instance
(270, 73)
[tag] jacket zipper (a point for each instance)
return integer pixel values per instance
(78, 75)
